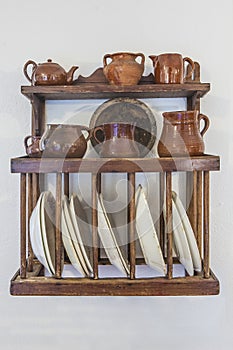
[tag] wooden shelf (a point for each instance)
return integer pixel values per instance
(105, 91)
(159, 286)
(95, 165)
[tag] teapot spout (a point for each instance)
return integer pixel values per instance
(70, 74)
(154, 59)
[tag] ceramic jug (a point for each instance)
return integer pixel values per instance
(63, 140)
(32, 148)
(169, 68)
(48, 73)
(181, 135)
(123, 68)
(118, 140)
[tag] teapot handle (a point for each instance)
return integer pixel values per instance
(25, 69)
(191, 63)
(206, 121)
(108, 55)
(99, 128)
(83, 127)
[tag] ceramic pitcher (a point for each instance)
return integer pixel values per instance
(169, 68)
(32, 146)
(64, 140)
(118, 140)
(181, 134)
(123, 69)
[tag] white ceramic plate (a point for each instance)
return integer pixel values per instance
(108, 239)
(147, 235)
(82, 233)
(69, 247)
(36, 235)
(189, 232)
(181, 245)
(73, 236)
(47, 215)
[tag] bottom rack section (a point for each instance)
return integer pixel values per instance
(36, 285)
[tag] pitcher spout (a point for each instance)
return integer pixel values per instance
(70, 74)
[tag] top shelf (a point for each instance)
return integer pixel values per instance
(105, 91)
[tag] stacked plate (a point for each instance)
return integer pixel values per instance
(77, 235)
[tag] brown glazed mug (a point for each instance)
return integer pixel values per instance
(32, 148)
(123, 69)
(118, 140)
(169, 68)
(181, 135)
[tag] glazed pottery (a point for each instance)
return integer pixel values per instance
(123, 69)
(48, 73)
(118, 140)
(181, 135)
(169, 68)
(63, 140)
(32, 148)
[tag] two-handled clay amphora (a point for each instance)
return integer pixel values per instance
(64, 140)
(118, 140)
(48, 73)
(181, 135)
(123, 69)
(169, 68)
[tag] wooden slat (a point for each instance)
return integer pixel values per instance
(206, 225)
(196, 285)
(131, 220)
(59, 246)
(199, 210)
(169, 224)
(95, 240)
(66, 184)
(30, 208)
(94, 165)
(23, 238)
(192, 199)
(161, 218)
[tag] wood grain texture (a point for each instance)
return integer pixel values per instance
(169, 228)
(59, 245)
(23, 226)
(131, 221)
(206, 235)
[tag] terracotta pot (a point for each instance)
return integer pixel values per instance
(118, 140)
(66, 141)
(181, 135)
(123, 69)
(32, 148)
(169, 68)
(48, 73)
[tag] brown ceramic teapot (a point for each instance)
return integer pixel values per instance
(123, 69)
(64, 141)
(181, 135)
(48, 73)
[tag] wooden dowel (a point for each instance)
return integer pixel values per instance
(192, 199)
(199, 210)
(98, 189)
(131, 221)
(95, 240)
(169, 224)
(66, 184)
(30, 207)
(35, 188)
(23, 238)
(161, 218)
(206, 225)
(59, 246)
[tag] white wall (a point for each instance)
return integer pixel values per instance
(75, 32)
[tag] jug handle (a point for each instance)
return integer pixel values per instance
(26, 140)
(83, 127)
(99, 128)
(187, 59)
(206, 121)
(142, 57)
(108, 55)
(25, 69)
